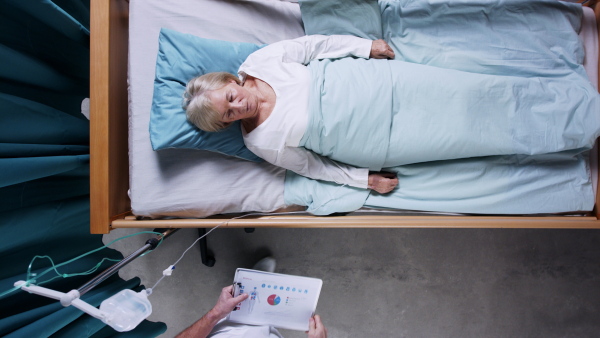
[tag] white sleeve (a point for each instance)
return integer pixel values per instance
(307, 163)
(304, 49)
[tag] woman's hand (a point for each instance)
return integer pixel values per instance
(382, 182)
(381, 50)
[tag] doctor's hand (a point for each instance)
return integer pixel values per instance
(227, 302)
(316, 329)
(382, 182)
(381, 50)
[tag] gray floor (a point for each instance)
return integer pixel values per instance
(397, 282)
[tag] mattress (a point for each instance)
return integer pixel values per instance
(194, 183)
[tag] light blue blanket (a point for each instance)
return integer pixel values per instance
(379, 113)
(496, 85)
(482, 185)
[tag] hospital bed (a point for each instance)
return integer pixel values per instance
(133, 186)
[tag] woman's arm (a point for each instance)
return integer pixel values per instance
(314, 47)
(311, 47)
(307, 163)
(307, 48)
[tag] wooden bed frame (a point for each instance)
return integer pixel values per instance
(109, 167)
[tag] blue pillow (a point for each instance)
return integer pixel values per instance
(360, 18)
(182, 57)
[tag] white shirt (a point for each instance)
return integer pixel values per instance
(283, 66)
(227, 329)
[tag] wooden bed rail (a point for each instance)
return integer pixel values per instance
(109, 168)
(109, 176)
(295, 221)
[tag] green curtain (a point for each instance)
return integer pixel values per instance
(44, 169)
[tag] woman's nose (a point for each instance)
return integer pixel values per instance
(236, 105)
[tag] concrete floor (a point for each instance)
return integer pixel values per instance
(396, 282)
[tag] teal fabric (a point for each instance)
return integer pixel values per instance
(321, 197)
(492, 185)
(349, 119)
(360, 18)
(402, 113)
(481, 185)
(44, 161)
(181, 57)
(486, 36)
(484, 119)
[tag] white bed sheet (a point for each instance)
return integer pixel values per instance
(194, 183)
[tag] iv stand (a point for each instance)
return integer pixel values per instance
(150, 245)
(73, 297)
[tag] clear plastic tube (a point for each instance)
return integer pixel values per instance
(32, 277)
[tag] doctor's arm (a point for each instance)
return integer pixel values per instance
(316, 329)
(224, 306)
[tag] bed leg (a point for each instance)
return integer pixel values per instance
(207, 259)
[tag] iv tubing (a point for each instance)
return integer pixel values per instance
(150, 244)
(209, 231)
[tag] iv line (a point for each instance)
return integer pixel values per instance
(32, 277)
(54, 267)
(122, 311)
(167, 271)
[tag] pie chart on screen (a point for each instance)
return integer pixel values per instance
(273, 299)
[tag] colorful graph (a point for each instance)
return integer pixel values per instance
(273, 299)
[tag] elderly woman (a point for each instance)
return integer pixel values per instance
(270, 98)
(343, 119)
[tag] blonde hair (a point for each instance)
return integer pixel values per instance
(199, 110)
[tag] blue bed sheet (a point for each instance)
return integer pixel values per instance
(486, 109)
(380, 113)
(487, 185)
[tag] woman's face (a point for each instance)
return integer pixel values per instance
(234, 102)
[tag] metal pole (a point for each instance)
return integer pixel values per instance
(150, 244)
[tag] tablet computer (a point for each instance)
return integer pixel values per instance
(283, 301)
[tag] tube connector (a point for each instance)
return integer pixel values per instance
(168, 271)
